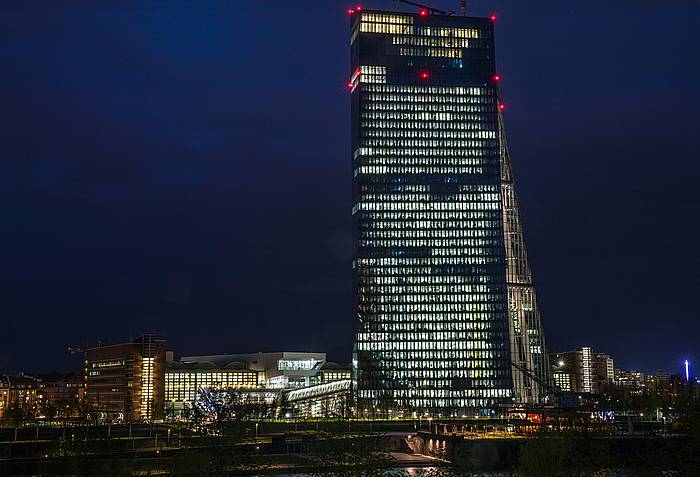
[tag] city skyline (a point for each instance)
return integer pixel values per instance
(130, 198)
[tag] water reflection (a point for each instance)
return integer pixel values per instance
(409, 472)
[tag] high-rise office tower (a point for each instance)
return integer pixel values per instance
(447, 315)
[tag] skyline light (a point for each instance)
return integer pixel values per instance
(162, 230)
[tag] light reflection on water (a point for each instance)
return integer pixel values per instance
(408, 472)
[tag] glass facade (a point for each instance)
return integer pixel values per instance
(527, 341)
(430, 258)
(184, 385)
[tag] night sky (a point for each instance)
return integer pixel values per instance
(183, 167)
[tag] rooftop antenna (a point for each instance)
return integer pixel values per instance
(463, 7)
(430, 10)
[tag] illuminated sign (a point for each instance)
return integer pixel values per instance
(297, 364)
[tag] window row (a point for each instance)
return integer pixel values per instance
(372, 298)
(436, 307)
(487, 147)
(449, 185)
(437, 151)
(417, 197)
(471, 232)
(385, 28)
(488, 112)
(419, 170)
(476, 324)
(493, 205)
(482, 121)
(407, 218)
(407, 98)
(400, 261)
(430, 246)
(431, 125)
(367, 132)
(442, 91)
(426, 289)
(452, 32)
(439, 42)
(376, 17)
(431, 52)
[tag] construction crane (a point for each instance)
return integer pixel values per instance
(428, 8)
(549, 388)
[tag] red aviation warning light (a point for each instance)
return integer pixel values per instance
(351, 85)
(423, 12)
(424, 75)
(492, 18)
(501, 106)
(358, 8)
(497, 77)
(351, 11)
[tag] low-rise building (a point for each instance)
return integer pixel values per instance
(280, 370)
(185, 379)
(19, 392)
(331, 371)
(60, 395)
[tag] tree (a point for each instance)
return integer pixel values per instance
(218, 410)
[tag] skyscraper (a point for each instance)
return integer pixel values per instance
(444, 297)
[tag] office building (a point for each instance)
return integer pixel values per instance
(447, 317)
(184, 380)
(126, 382)
(331, 372)
(277, 370)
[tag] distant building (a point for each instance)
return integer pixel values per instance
(658, 379)
(50, 395)
(18, 391)
(629, 379)
(564, 366)
(60, 395)
(126, 382)
(604, 370)
(582, 371)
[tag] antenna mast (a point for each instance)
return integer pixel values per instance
(427, 8)
(463, 7)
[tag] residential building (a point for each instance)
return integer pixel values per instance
(629, 379)
(447, 315)
(657, 380)
(60, 395)
(19, 392)
(582, 371)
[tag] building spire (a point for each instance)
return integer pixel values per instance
(463, 7)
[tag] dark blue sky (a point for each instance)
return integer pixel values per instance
(183, 167)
